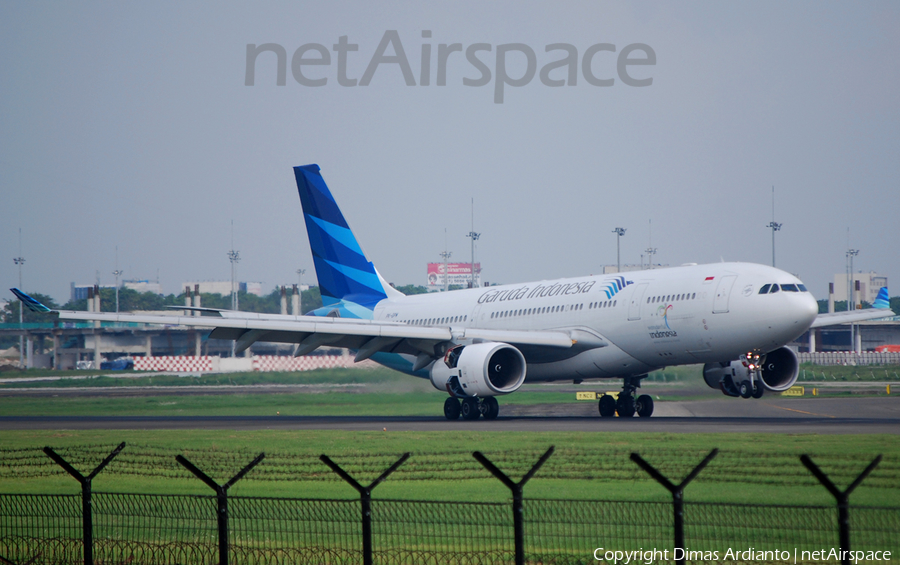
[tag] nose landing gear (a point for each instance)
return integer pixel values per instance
(754, 387)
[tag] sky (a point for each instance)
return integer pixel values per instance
(129, 129)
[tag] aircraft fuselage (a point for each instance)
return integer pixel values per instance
(647, 319)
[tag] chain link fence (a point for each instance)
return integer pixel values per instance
(181, 529)
(187, 529)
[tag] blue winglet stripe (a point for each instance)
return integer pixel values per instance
(29, 302)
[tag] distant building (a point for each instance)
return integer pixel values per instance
(143, 286)
(80, 291)
(869, 285)
(224, 287)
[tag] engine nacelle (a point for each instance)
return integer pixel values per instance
(480, 369)
(780, 369)
(717, 373)
(779, 372)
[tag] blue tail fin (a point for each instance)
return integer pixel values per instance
(882, 300)
(347, 279)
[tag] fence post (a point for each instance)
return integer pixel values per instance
(365, 499)
(518, 502)
(87, 518)
(677, 494)
(221, 498)
(843, 500)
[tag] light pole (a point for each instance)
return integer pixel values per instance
(19, 261)
(234, 257)
(650, 251)
(619, 233)
(300, 273)
(851, 302)
(851, 253)
(474, 235)
(775, 226)
(446, 255)
(117, 272)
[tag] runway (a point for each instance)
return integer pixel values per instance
(868, 415)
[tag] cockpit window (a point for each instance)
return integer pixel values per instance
(765, 289)
(789, 288)
(774, 289)
(802, 287)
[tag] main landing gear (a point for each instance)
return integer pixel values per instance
(627, 405)
(471, 408)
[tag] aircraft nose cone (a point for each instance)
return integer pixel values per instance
(806, 309)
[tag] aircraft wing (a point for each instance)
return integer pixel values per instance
(310, 332)
(366, 336)
(851, 317)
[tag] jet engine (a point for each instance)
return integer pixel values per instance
(778, 372)
(480, 369)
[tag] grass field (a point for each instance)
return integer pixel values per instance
(750, 468)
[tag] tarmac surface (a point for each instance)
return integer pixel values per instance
(848, 415)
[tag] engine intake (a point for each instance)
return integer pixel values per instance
(481, 369)
(781, 369)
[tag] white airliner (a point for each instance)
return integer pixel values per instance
(477, 344)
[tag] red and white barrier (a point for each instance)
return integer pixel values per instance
(176, 363)
(280, 363)
(190, 364)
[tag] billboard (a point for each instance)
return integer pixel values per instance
(459, 274)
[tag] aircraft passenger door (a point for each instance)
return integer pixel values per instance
(637, 298)
(723, 293)
(474, 322)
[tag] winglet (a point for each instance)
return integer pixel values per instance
(29, 302)
(882, 300)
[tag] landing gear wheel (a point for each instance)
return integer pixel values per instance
(607, 406)
(490, 408)
(745, 390)
(469, 409)
(644, 405)
(625, 406)
(758, 391)
(451, 408)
